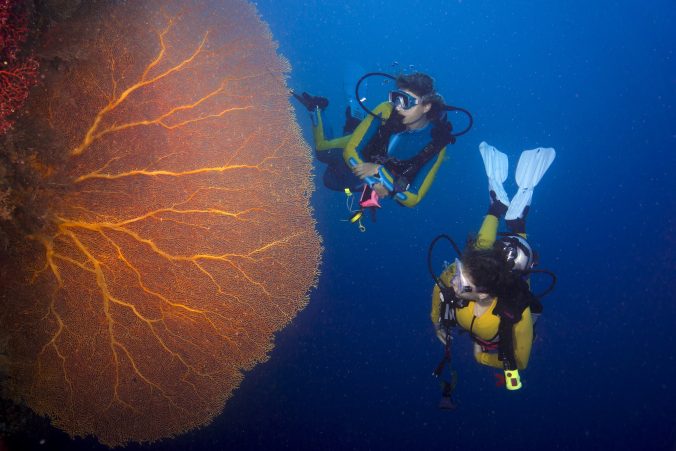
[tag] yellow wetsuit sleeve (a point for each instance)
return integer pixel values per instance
(352, 153)
(523, 342)
(321, 143)
(413, 197)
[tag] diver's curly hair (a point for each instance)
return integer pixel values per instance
(491, 272)
(422, 85)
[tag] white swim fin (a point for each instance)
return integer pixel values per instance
(529, 171)
(497, 168)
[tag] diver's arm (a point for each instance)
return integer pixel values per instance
(523, 342)
(523, 339)
(486, 358)
(321, 143)
(353, 151)
(419, 187)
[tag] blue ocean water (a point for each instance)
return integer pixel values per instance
(596, 81)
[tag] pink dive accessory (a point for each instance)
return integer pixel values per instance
(369, 201)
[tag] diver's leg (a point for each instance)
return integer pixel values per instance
(337, 179)
(338, 176)
(321, 142)
(311, 103)
(487, 232)
(316, 105)
(518, 225)
(531, 168)
(496, 165)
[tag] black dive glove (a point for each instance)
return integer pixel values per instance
(441, 132)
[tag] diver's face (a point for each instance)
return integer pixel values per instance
(415, 116)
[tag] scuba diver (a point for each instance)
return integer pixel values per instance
(486, 291)
(396, 150)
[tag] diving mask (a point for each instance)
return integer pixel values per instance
(402, 99)
(460, 281)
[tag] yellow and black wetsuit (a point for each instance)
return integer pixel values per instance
(404, 146)
(484, 328)
(321, 143)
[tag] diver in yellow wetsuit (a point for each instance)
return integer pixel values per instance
(486, 291)
(395, 151)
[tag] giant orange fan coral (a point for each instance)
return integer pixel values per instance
(176, 236)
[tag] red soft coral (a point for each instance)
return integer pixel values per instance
(18, 71)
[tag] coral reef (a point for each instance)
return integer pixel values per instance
(160, 228)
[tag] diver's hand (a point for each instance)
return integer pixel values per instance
(363, 170)
(380, 189)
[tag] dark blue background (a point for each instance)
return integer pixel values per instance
(596, 81)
